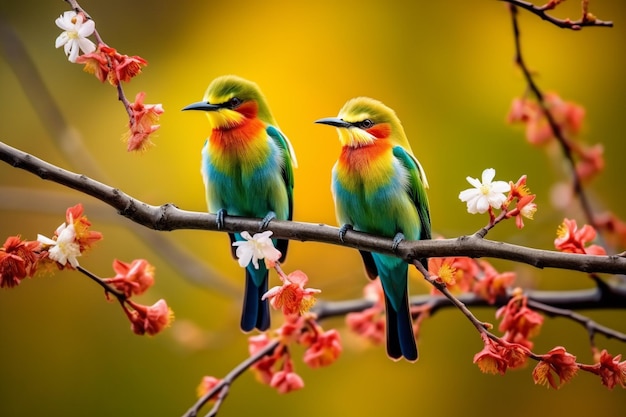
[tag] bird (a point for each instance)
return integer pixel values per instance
(379, 187)
(247, 170)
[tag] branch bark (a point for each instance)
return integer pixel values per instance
(168, 217)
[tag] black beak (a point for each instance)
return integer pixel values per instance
(334, 121)
(202, 105)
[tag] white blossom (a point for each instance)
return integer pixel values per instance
(485, 193)
(64, 249)
(74, 38)
(256, 247)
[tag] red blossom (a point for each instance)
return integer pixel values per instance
(85, 238)
(325, 348)
(443, 270)
(128, 67)
(264, 367)
(493, 284)
(286, 381)
(567, 115)
(370, 323)
(518, 189)
(610, 368)
(143, 123)
(108, 64)
(467, 269)
(556, 363)
(591, 161)
(573, 240)
(373, 291)
(150, 320)
(519, 322)
(615, 226)
(292, 298)
(132, 278)
(496, 358)
(490, 359)
(96, 63)
(18, 259)
(12, 270)
(515, 355)
(524, 206)
(206, 385)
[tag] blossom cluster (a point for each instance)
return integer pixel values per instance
(322, 348)
(20, 259)
(107, 64)
(554, 368)
(519, 324)
(478, 276)
(488, 195)
(571, 239)
(568, 118)
(370, 322)
(293, 299)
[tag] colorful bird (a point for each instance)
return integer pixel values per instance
(247, 168)
(379, 187)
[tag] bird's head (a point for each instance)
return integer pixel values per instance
(230, 100)
(363, 120)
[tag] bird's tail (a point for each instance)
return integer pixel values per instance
(256, 312)
(400, 336)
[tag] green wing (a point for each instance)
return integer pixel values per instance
(290, 162)
(289, 158)
(417, 188)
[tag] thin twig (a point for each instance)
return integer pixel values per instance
(70, 142)
(585, 21)
(590, 325)
(554, 126)
(225, 383)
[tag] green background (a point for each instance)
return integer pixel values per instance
(447, 69)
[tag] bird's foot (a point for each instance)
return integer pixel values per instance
(399, 237)
(220, 218)
(266, 220)
(343, 230)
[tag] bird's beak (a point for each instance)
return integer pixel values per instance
(333, 121)
(202, 105)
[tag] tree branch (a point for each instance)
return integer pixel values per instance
(540, 11)
(169, 217)
(554, 126)
(221, 389)
(559, 305)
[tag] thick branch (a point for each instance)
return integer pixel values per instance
(169, 217)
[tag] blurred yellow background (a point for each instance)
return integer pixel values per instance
(445, 67)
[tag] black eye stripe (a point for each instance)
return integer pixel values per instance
(233, 103)
(365, 124)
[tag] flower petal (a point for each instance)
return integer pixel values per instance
(488, 175)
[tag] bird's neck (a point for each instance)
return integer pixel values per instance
(358, 155)
(237, 141)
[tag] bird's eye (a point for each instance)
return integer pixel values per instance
(366, 124)
(234, 102)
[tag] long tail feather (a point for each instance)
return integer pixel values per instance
(400, 337)
(256, 312)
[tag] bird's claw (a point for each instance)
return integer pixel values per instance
(220, 218)
(399, 237)
(266, 220)
(343, 230)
